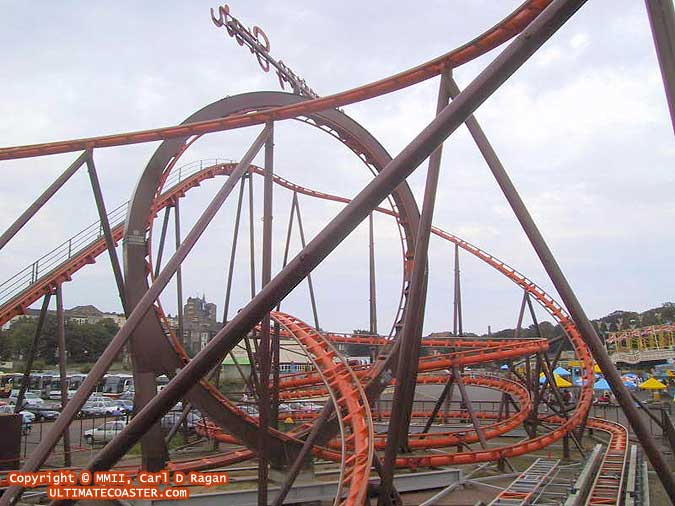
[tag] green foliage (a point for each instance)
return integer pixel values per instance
(84, 342)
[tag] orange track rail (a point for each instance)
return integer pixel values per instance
(63, 273)
(608, 483)
(509, 27)
(351, 404)
(502, 351)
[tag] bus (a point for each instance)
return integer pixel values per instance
(115, 384)
(73, 382)
(40, 383)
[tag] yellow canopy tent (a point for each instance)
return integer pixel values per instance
(652, 384)
(596, 369)
(560, 382)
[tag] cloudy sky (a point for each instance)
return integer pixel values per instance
(582, 128)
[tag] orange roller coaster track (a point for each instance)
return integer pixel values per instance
(351, 390)
(508, 28)
(484, 350)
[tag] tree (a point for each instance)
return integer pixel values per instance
(84, 342)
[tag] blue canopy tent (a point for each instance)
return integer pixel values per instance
(601, 384)
(561, 371)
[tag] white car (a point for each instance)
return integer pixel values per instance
(104, 433)
(103, 407)
(30, 400)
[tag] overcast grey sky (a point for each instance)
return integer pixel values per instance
(582, 128)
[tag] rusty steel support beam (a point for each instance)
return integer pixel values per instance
(28, 366)
(496, 73)
(301, 229)
(162, 241)
(570, 300)
(662, 22)
(295, 212)
(41, 200)
(251, 382)
(233, 253)
(457, 303)
(251, 232)
(406, 373)
(105, 224)
(179, 277)
(289, 230)
(264, 358)
(521, 314)
(446, 393)
(49, 440)
(469, 406)
(371, 271)
(276, 358)
(63, 375)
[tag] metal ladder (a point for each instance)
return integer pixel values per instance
(526, 488)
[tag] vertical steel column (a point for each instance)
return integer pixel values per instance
(404, 393)
(571, 302)
(371, 264)
(41, 200)
(61, 340)
(233, 253)
(301, 229)
(28, 367)
(252, 384)
(295, 211)
(48, 442)
(496, 73)
(276, 359)
(105, 224)
(264, 348)
(662, 21)
(457, 305)
(251, 233)
(162, 240)
(179, 277)
(288, 237)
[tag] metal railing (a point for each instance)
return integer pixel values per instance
(73, 246)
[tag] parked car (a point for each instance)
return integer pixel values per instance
(104, 433)
(170, 419)
(30, 400)
(45, 414)
(104, 407)
(126, 406)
